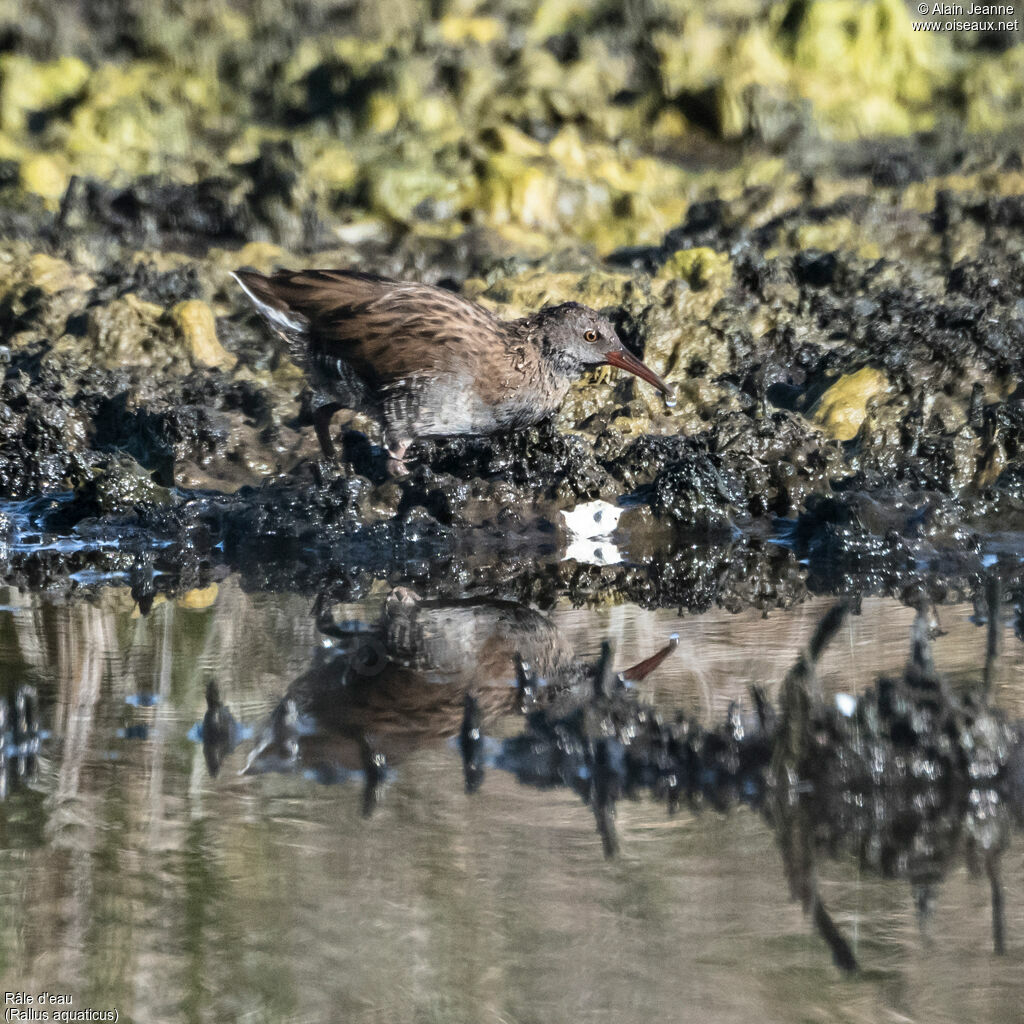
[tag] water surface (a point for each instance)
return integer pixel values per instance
(134, 880)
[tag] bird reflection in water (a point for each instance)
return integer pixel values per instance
(220, 732)
(907, 778)
(424, 672)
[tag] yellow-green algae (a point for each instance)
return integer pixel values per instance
(52, 275)
(843, 407)
(195, 323)
(401, 142)
(838, 233)
(29, 88)
(199, 598)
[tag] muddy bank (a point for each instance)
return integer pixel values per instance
(831, 279)
(847, 357)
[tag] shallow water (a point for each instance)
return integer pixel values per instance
(133, 880)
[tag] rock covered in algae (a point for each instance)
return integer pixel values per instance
(842, 408)
(54, 275)
(117, 484)
(195, 322)
(126, 332)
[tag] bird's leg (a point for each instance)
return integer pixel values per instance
(396, 457)
(398, 414)
(325, 469)
(322, 425)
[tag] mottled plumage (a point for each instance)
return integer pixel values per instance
(426, 362)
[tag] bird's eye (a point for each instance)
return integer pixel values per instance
(590, 336)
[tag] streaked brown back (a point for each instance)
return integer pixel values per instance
(385, 329)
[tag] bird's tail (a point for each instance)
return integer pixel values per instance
(292, 326)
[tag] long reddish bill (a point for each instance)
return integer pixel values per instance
(627, 361)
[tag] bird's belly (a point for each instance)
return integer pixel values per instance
(445, 407)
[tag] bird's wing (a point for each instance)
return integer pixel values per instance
(385, 329)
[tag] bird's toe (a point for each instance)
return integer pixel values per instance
(397, 468)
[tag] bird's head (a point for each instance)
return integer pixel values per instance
(575, 338)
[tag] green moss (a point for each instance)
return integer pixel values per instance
(578, 188)
(330, 163)
(520, 190)
(860, 65)
(676, 333)
(689, 286)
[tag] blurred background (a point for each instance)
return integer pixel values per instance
(314, 122)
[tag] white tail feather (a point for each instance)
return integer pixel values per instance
(278, 317)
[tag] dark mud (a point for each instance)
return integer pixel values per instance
(875, 429)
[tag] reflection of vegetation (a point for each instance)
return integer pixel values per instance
(99, 822)
(904, 778)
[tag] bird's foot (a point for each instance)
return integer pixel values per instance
(397, 468)
(396, 459)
